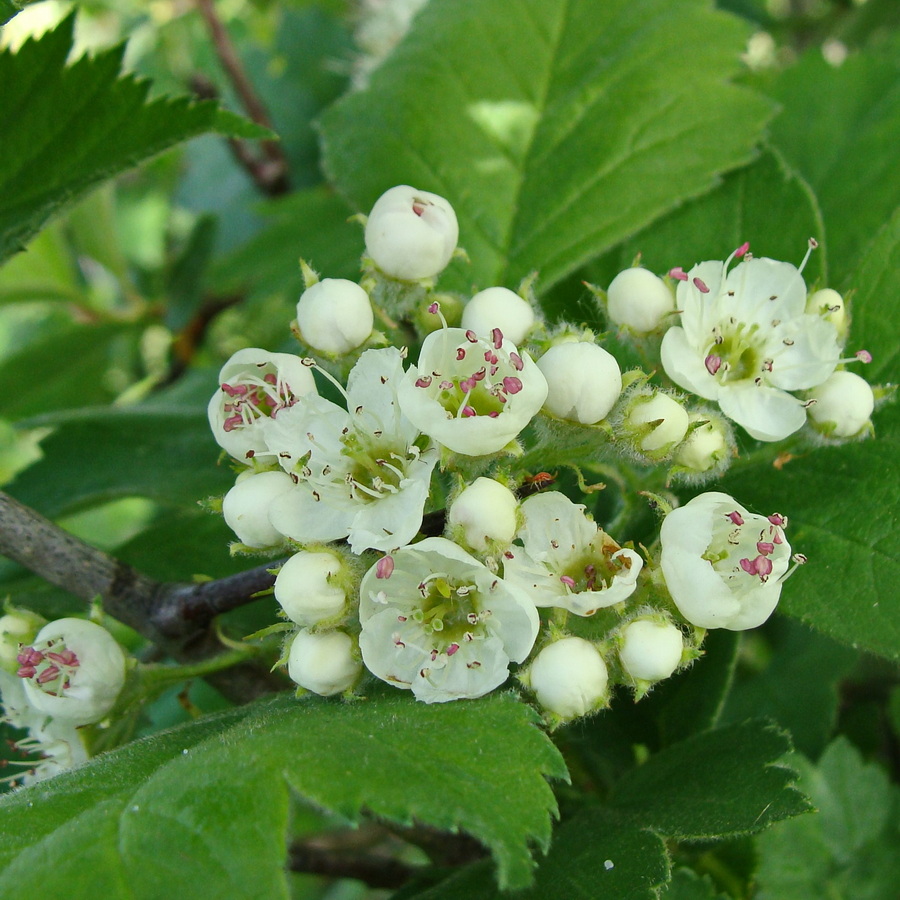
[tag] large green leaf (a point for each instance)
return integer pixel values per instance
(718, 783)
(66, 128)
(835, 129)
(556, 128)
(843, 501)
(211, 798)
(850, 848)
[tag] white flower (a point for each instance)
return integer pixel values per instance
(435, 620)
(485, 513)
(470, 394)
(667, 420)
(639, 300)
(411, 234)
(361, 472)
(844, 403)
(73, 671)
(745, 340)
(583, 381)
(335, 316)
(246, 507)
(255, 386)
(650, 650)
(499, 307)
(723, 565)
(569, 678)
(308, 587)
(324, 663)
(567, 560)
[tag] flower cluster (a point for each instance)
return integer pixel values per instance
(427, 553)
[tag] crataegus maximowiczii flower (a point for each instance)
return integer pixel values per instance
(567, 560)
(323, 662)
(438, 622)
(639, 300)
(471, 394)
(411, 234)
(843, 404)
(746, 340)
(583, 381)
(650, 649)
(73, 671)
(360, 472)
(334, 316)
(246, 507)
(723, 565)
(499, 307)
(311, 587)
(569, 678)
(484, 514)
(255, 386)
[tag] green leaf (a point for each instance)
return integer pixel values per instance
(594, 856)
(210, 798)
(834, 129)
(66, 128)
(850, 848)
(719, 783)
(687, 885)
(556, 128)
(99, 454)
(813, 667)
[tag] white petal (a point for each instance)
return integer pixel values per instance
(700, 309)
(301, 517)
(756, 282)
(809, 356)
(685, 365)
(765, 413)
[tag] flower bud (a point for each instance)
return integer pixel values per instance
(18, 626)
(829, 304)
(639, 300)
(650, 650)
(485, 512)
(659, 423)
(499, 307)
(74, 671)
(334, 316)
(844, 403)
(569, 678)
(583, 381)
(707, 446)
(246, 507)
(411, 234)
(323, 663)
(307, 587)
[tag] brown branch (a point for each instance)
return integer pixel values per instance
(375, 870)
(270, 175)
(174, 614)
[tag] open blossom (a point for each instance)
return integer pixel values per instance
(472, 394)
(723, 565)
(568, 561)
(254, 386)
(438, 622)
(745, 341)
(73, 671)
(363, 472)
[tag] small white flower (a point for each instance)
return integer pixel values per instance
(246, 507)
(650, 650)
(745, 341)
(567, 560)
(583, 381)
(438, 622)
(470, 394)
(639, 300)
(499, 307)
(723, 566)
(335, 316)
(844, 403)
(569, 678)
(324, 663)
(73, 671)
(255, 386)
(411, 234)
(658, 421)
(360, 472)
(485, 513)
(308, 587)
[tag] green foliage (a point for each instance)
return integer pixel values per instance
(211, 797)
(46, 105)
(849, 848)
(555, 126)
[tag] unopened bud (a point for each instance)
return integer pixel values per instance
(486, 513)
(829, 304)
(308, 587)
(583, 380)
(844, 403)
(707, 446)
(246, 507)
(639, 300)
(569, 678)
(650, 650)
(335, 316)
(658, 421)
(499, 307)
(323, 663)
